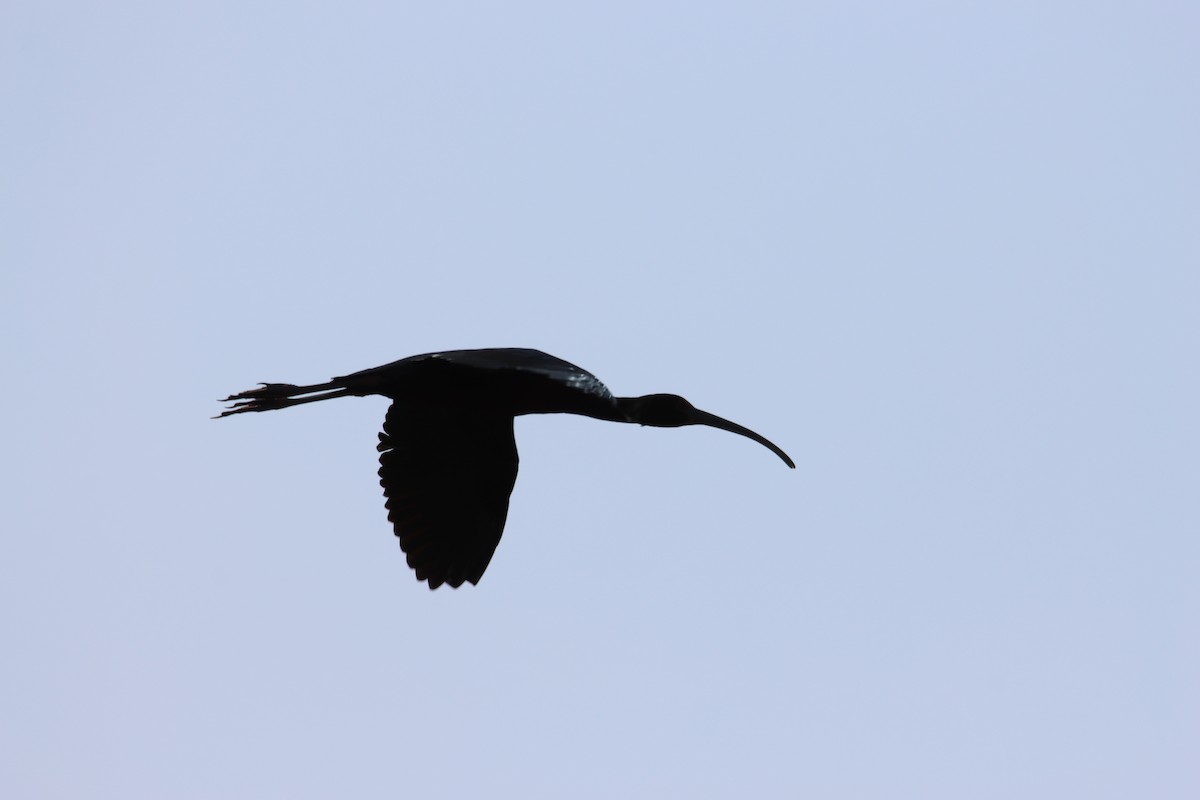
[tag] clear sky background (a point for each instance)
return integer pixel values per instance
(945, 254)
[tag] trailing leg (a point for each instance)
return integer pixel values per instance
(271, 396)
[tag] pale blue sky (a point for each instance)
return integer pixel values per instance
(945, 254)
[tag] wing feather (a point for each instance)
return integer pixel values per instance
(522, 359)
(447, 479)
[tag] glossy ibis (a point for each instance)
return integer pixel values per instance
(448, 460)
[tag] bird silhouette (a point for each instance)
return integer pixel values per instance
(448, 459)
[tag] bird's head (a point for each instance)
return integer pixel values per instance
(660, 410)
(672, 411)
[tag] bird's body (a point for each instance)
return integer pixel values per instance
(508, 381)
(448, 459)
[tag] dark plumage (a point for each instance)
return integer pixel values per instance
(448, 459)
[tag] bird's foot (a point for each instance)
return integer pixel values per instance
(266, 397)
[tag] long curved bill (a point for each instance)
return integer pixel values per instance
(713, 421)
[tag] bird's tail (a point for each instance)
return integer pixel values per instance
(270, 396)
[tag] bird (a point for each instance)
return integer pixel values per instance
(447, 454)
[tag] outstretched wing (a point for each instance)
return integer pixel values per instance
(447, 479)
